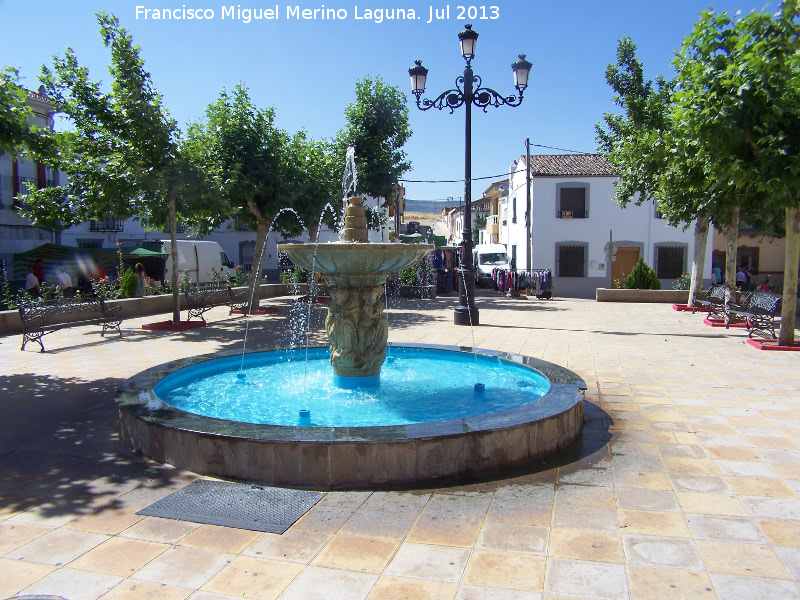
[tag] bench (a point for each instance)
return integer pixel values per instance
(713, 299)
(760, 311)
(46, 317)
(202, 298)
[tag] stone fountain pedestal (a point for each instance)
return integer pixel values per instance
(357, 329)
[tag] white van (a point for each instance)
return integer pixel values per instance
(198, 259)
(486, 257)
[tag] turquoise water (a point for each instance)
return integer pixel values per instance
(417, 386)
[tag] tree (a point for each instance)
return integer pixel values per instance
(740, 93)
(641, 144)
(16, 132)
(250, 161)
(377, 127)
(318, 192)
(124, 156)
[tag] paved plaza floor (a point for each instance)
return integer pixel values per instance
(685, 483)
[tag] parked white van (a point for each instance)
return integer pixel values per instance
(198, 259)
(486, 257)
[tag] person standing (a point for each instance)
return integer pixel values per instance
(141, 285)
(38, 270)
(65, 283)
(31, 283)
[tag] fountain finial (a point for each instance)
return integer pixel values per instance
(350, 177)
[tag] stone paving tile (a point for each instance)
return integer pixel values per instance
(18, 575)
(751, 560)
(505, 570)
(296, 545)
(57, 547)
(354, 553)
(72, 584)
(583, 544)
(14, 534)
(731, 587)
(444, 531)
(665, 552)
(220, 539)
(118, 556)
(250, 577)
(142, 590)
(183, 566)
(317, 583)
(585, 578)
(156, 529)
(514, 538)
(468, 592)
(436, 563)
(653, 583)
(402, 588)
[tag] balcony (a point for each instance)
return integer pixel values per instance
(179, 228)
(107, 224)
(22, 184)
(573, 214)
(493, 225)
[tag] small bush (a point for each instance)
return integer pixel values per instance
(642, 277)
(128, 283)
(409, 276)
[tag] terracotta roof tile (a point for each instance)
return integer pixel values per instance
(570, 165)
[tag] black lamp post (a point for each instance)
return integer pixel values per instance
(468, 91)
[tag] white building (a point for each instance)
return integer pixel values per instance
(16, 233)
(573, 217)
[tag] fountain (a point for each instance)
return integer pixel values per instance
(250, 417)
(357, 329)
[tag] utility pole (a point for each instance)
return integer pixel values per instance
(528, 219)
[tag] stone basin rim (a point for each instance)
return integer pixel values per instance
(566, 389)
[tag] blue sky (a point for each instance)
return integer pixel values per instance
(307, 69)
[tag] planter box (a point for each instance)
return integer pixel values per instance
(652, 296)
(149, 305)
(418, 291)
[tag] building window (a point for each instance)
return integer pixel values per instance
(513, 256)
(657, 213)
(246, 252)
(90, 243)
(179, 228)
(110, 223)
(571, 261)
(514, 210)
(747, 256)
(669, 261)
(572, 202)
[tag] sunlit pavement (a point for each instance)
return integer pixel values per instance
(684, 484)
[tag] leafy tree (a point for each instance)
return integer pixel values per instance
(125, 155)
(16, 132)
(250, 162)
(640, 144)
(377, 127)
(740, 95)
(317, 196)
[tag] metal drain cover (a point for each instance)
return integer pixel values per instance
(239, 505)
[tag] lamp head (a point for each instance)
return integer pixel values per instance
(522, 70)
(468, 39)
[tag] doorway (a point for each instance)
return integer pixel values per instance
(627, 256)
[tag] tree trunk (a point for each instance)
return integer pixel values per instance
(732, 239)
(698, 264)
(790, 268)
(173, 239)
(262, 231)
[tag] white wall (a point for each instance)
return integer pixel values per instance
(633, 224)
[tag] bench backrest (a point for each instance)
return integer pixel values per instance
(717, 291)
(208, 294)
(52, 310)
(763, 301)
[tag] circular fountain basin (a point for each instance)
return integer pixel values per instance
(404, 432)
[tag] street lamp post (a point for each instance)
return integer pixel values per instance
(468, 91)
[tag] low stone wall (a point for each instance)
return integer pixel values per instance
(652, 296)
(149, 305)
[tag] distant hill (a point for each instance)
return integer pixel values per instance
(428, 207)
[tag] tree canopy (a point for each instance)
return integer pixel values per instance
(377, 127)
